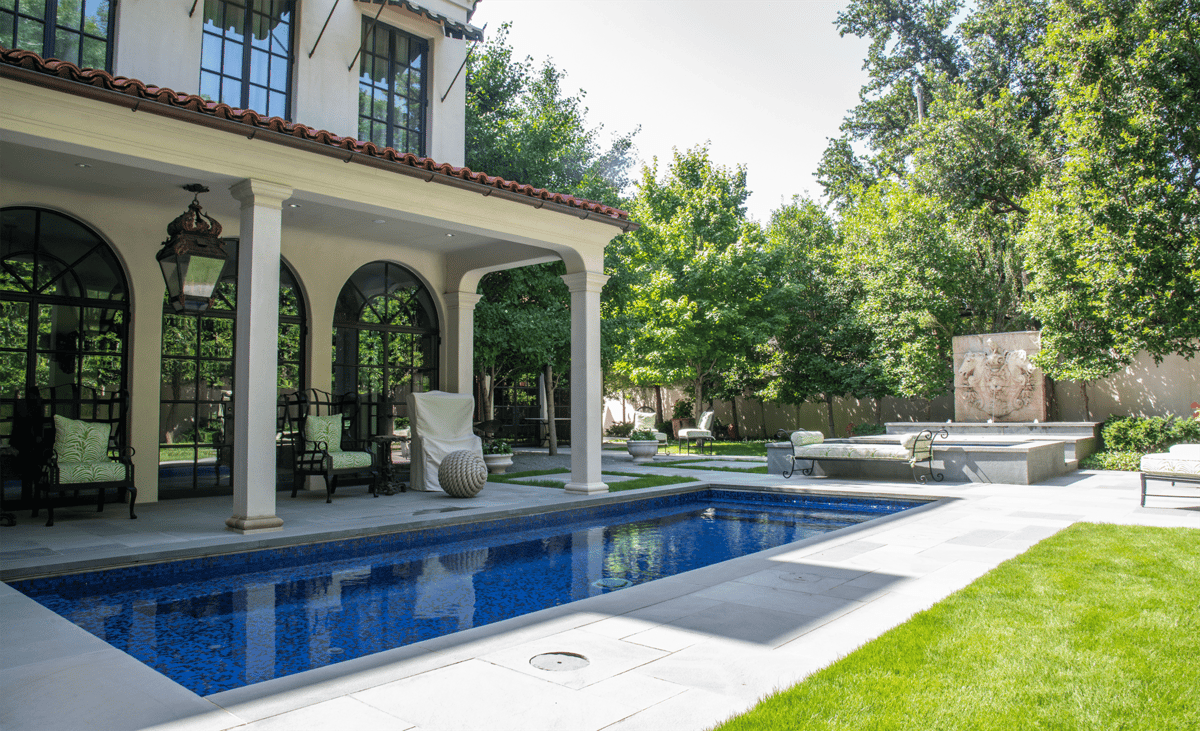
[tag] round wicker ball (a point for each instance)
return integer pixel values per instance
(463, 473)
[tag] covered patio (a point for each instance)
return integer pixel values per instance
(111, 155)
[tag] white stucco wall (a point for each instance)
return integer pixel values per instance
(159, 44)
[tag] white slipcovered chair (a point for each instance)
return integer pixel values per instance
(644, 421)
(700, 433)
(441, 424)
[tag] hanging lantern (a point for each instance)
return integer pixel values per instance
(192, 257)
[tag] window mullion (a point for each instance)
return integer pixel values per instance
(247, 44)
(50, 30)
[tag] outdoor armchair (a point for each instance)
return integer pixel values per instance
(324, 443)
(644, 421)
(89, 449)
(701, 433)
(441, 424)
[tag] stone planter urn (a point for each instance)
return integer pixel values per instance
(642, 451)
(497, 463)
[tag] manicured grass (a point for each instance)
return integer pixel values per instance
(1097, 627)
(638, 482)
(760, 470)
(729, 449)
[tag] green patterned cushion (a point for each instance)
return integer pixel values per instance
(326, 429)
(344, 460)
(80, 441)
(103, 471)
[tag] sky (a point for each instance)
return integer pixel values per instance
(764, 82)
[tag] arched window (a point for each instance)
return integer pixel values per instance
(385, 340)
(64, 310)
(195, 416)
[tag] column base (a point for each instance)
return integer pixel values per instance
(585, 488)
(261, 524)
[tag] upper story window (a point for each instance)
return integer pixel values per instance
(391, 88)
(246, 59)
(79, 31)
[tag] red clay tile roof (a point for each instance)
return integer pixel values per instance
(407, 162)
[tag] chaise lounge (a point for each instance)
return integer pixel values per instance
(913, 448)
(1180, 464)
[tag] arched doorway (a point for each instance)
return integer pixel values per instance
(64, 310)
(196, 396)
(385, 341)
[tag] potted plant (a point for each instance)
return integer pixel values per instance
(681, 416)
(497, 454)
(642, 446)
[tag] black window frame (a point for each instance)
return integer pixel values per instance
(392, 40)
(243, 78)
(52, 28)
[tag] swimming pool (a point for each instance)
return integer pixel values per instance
(222, 622)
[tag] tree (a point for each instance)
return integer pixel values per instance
(694, 280)
(521, 126)
(824, 349)
(1114, 240)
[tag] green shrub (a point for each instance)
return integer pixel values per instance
(683, 409)
(620, 430)
(641, 436)
(867, 430)
(1124, 461)
(1147, 434)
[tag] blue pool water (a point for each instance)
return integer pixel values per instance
(223, 622)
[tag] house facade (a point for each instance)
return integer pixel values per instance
(330, 136)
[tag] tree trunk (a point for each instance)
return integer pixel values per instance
(762, 412)
(829, 403)
(696, 404)
(879, 411)
(658, 404)
(551, 423)
(1087, 407)
(733, 427)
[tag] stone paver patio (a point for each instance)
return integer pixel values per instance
(684, 652)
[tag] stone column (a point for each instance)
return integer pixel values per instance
(586, 390)
(257, 348)
(460, 341)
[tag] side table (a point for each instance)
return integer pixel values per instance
(388, 472)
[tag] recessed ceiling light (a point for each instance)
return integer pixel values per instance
(380, 220)
(82, 165)
(449, 236)
(294, 205)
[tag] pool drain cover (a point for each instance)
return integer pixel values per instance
(611, 583)
(559, 661)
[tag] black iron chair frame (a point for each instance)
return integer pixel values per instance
(296, 408)
(111, 409)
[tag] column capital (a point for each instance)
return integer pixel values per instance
(260, 193)
(459, 300)
(585, 281)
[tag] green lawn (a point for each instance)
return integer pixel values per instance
(730, 449)
(638, 482)
(1097, 627)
